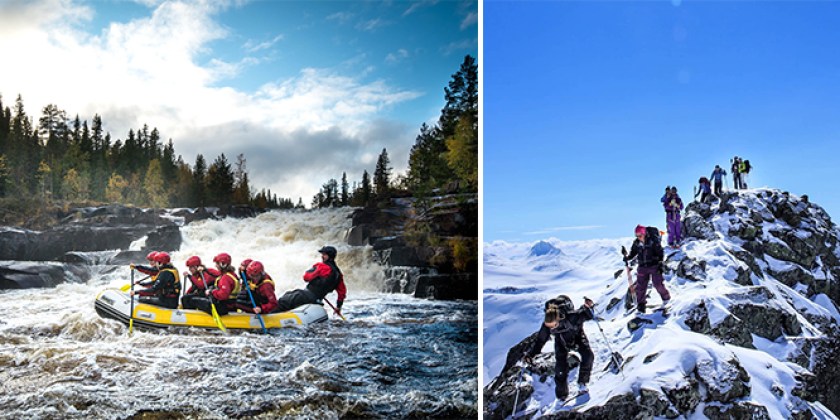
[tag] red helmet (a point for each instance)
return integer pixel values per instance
(246, 263)
(151, 256)
(254, 269)
(193, 261)
(222, 258)
(162, 258)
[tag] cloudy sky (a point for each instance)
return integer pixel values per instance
(306, 90)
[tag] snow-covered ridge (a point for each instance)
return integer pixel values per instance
(752, 331)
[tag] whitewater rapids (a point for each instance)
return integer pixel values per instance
(396, 356)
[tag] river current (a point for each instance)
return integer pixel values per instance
(395, 356)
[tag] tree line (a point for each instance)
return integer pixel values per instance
(59, 159)
(444, 156)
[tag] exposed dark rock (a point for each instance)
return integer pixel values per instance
(167, 238)
(26, 275)
(826, 368)
(448, 286)
(685, 396)
(737, 410)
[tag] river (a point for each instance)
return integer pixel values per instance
(395, 356)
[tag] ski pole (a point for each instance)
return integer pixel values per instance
(606, 340)
(518, 383)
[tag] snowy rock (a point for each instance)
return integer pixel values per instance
(738, 410)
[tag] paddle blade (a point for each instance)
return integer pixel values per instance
(130, 326)
(217, 319)
(126, 287)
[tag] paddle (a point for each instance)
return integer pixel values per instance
(130, 286)
(334, 309)
(253, 302)
(131, 314)
(215, 314)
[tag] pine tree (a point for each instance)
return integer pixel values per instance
(220, 181)
(366, 196)
(199, 182)
(242, 189)
(5, 179)
(382, 177)
(345, 190)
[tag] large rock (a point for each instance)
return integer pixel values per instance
(26, 275)
(448, 286)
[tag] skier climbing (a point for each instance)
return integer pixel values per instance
(705, 190)
(566, 325)
(673, 208)
(717, 176)
(648, 249)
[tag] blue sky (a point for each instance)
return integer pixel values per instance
(592, 108)
(306, 89)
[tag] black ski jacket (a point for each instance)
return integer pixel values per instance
(649, 254)
(569, 333)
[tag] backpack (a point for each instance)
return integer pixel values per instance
(652, 232)
(747, 166)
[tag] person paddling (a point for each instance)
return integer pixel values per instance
(200, 278)
(165, 289)
(323, 278)
(262, 289)
(565, 324)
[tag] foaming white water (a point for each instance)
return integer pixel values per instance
(286, 242)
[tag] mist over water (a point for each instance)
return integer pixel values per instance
(396, 356)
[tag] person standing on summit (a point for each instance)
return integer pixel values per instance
(650, 255)
(673, 208)
(717, 177)
(736, 173)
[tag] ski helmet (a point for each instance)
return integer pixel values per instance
(255, 269)
(193, 261)
(151, 256)
(330, 251)
(245, 263)
(162, 258)
(223, 259)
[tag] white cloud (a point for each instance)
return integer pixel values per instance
(454, 47)
(470, 20)
(417, 5)
(397, 56)
(371, 25)
(341, 17)
(562, 229)
(296, 133)
(253, 46)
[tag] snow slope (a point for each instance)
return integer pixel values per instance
(686, 371)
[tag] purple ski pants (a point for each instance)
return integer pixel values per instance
(674, 228)
(643, 276)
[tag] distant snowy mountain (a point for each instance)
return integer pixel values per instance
(752, 332)
(542, 249)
